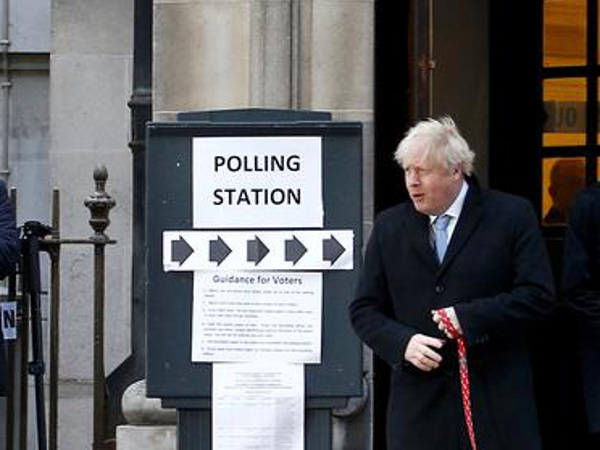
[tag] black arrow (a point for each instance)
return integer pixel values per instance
(332, 250)
(218, 250)
(256, 251)
(294, 250)
(180, 250)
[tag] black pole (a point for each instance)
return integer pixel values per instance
(32, 233)
(99, 204)
(54, 252)
(133, 368)
(141, 113)
(99, 374)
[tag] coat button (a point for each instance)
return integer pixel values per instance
(482, 339)
(439, 289)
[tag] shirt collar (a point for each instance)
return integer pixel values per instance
(456, 207)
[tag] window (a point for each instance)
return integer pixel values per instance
(569, 155)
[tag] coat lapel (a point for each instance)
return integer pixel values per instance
(418, 228)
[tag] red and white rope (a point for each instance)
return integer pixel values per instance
(465, 384)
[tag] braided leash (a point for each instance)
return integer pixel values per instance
(464, 374)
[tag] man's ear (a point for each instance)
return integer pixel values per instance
(457, 172)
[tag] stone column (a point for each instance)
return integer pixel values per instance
(221, 54)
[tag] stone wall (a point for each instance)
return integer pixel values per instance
(90, 84)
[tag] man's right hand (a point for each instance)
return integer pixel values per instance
(421, 354)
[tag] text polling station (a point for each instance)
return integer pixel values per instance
(250, 182)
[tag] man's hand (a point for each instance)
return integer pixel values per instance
(421, 354)
(453, 319)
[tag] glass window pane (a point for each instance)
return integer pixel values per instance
(598, 99)
(562, 179)
(565, 32)
(565, 107)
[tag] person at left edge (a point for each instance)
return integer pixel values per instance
(494, 280)
(10, 253)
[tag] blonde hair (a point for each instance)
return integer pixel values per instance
(439, 140)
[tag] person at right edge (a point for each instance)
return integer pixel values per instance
(427, 297)
(581, 292)
(10, 254)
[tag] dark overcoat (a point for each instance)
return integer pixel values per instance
(497, 275)
(10, 252)
(581, 289)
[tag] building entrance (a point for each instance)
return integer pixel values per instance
(521, 81)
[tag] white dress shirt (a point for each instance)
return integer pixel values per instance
(454, 210)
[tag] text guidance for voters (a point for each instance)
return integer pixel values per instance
(257, 182)
(267, 316)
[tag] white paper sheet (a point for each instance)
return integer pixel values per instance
(257, 182)
(258, 406)
(296, 250)
(257, 316)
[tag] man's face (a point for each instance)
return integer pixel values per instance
(431, 186)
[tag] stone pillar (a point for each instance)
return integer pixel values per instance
(299, 54)
(221, 54)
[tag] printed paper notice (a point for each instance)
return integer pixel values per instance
(257, 182)
(250, 316)
(258, 406)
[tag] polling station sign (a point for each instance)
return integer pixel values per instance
(257, 182)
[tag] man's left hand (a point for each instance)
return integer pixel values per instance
(453, 319)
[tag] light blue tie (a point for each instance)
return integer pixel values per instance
(440, 226)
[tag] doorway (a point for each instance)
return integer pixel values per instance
(523, 101)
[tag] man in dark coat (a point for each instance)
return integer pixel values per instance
(10, 252)
(493, 280)
(581, 289)
(10, 246)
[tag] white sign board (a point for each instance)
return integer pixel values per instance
(258, 406)
(257, 182)
(258, 250)
(257, 316)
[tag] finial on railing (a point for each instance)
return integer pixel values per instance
(100, 204)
